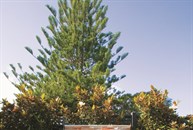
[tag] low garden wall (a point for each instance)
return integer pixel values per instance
(97, 127)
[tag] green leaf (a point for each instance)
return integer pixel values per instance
(47, 51)
(14, 73)
(11, 65)
(119, 49)
(112, 70)
(19, 65)
(118, 58)
(124, 56)
(45, 33)
(42, 52)
(122, 76)
(37, 66)
(29, 50)
(41, 60)
(112, 64)
(31, 68)
(7, 76)
(39, 40)
(40, 75)
(52, 10)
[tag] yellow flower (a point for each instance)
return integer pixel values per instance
(93, 107)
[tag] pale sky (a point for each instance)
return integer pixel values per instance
(156, 33)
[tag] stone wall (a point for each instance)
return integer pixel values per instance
(97, 127)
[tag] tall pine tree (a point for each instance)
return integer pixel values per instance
(79, 51)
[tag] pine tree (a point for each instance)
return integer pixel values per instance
(79, 51)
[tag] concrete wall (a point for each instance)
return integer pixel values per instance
(97, 127)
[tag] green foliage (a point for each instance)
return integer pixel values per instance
(31, 112)
(95, 106)
(79, 52)
(154, 111)
(183, 123)
(75, 76)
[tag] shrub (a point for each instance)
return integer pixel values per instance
(30, 112)
(154, 110)
(96, 106)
